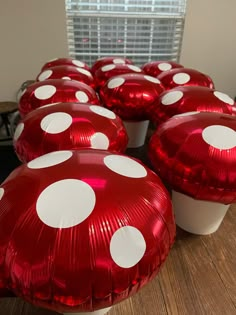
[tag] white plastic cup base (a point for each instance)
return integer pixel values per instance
(197, 216)
(99, 312)
(137, 131)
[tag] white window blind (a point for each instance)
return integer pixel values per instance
(142, 30)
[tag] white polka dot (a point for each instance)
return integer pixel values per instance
(44, 92)
(134, 68)
(50, 159)
(81, 96)
(164, 66)
(65, 203)
(1, 192)
(56, 122)
(186, 114)
(84, 71)
(116, 82)
(66, 78)
(18, 131)
(220, 137)
(181, 78)
(152, 79)
(45, 75)
(102, 111)
(108, 68)
(99, 141)
(118, 60)
(127, 246)
(171, 97)
(78, 63)
(224, 98)
(125, 166)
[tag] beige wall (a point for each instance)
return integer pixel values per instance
(31, 32)
(209, 43)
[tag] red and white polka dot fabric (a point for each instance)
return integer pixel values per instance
(191, 98)
(109, 60)
(67, 73)
(131, 96)
(53, 91)
(75, 220)
(106, 72)
(195, 154)
(184, 76)
(66, 126)
(65, 61)
(154, 68)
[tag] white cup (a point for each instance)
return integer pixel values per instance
(137, 131)
(197, 216)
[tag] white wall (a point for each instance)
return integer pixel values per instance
(31, 32)
(209, 43)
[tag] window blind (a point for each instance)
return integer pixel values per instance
(142, 30)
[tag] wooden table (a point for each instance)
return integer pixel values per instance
(198, 277)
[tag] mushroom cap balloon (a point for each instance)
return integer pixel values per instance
(68, 126)
(184, 99)
(195, 153)
(65, 61)
(53, 91)
(109, 60)
(131, 95)
(184, 76)
(68, 73)
(154, 68)
(94, 228)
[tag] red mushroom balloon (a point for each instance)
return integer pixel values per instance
(131, 96)
(67, 73)
(196, 154)
(65, 61)
(184, 99)
(184, 76)
(54, 91)
(109, 60)
(68, 126)
(94, 228)
(154, 68)
(111, 70)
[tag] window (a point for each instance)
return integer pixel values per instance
(142, 30)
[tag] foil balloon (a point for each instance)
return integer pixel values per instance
(196, 154)
(53, 91)
(184, 99)
(108, 71)
(65, 61)
(82, 230)
(131, 95)
(68, 73)
(109, 60)
(68, 126)
(184, 76)
(154, 68)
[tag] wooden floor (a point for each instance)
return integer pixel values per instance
(199, 277)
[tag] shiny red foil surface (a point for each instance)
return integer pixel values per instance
(71, 269)
(184, 99)
(68, 126)
(109, 60)
(184, 76)
(69, 73)
(65, 61)
(155, 68)
(111, 70)
(131, 96)
(196, 155)
(54, 91)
